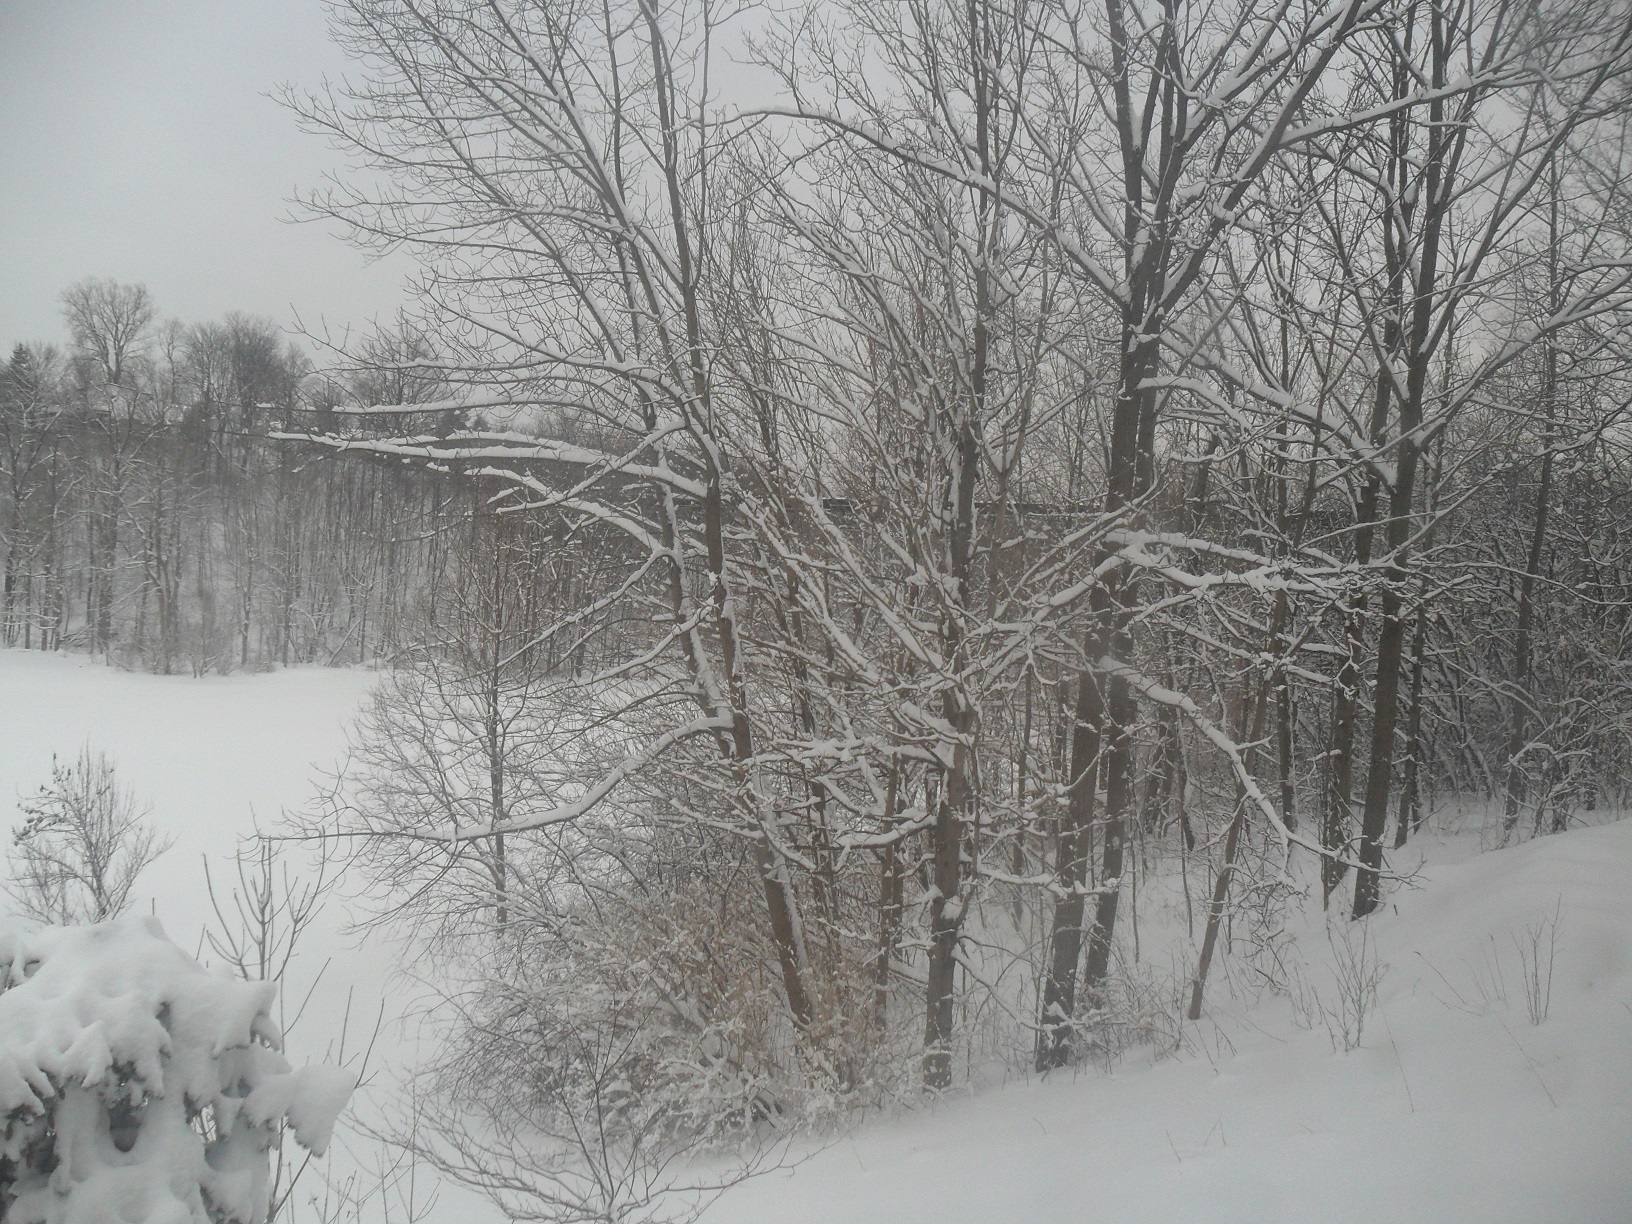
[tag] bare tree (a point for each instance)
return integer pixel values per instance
(592, 313)
(82, 844)
(1041, 391)
(108, 323)
(1557, 78)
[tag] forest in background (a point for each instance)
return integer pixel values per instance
(149, 521)
(826, 553)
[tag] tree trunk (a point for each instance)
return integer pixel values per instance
(946, 913)
(1409, 817)
(891, 894)
(1519, 711)
(1118, 758)
(1391, 636)
(1071, 876)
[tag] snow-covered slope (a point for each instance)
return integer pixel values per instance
(1453, 1108)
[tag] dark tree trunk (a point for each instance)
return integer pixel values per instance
(1071, 876)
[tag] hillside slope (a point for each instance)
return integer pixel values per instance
(1453, 1108)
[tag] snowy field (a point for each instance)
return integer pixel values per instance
(1454, 1106)
(212, 757)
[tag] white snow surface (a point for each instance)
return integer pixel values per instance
(213, 757)
(1454, 1107)
(210, 755)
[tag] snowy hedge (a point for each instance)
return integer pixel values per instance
(137, 1086)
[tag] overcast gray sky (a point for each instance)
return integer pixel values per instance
(137, 142)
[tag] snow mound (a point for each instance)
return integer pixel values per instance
(136, 1086)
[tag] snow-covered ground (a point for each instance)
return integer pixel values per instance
(212, 757)
(215, 758)
(1454, 1106)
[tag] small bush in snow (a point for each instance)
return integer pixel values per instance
(1537, 948)
(1356, 975)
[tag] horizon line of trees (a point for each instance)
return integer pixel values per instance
(149, 521)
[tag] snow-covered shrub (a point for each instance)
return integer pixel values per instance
(137, 1086)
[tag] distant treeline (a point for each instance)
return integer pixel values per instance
(147, 517)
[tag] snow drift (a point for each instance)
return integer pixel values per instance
(1492, 1082)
